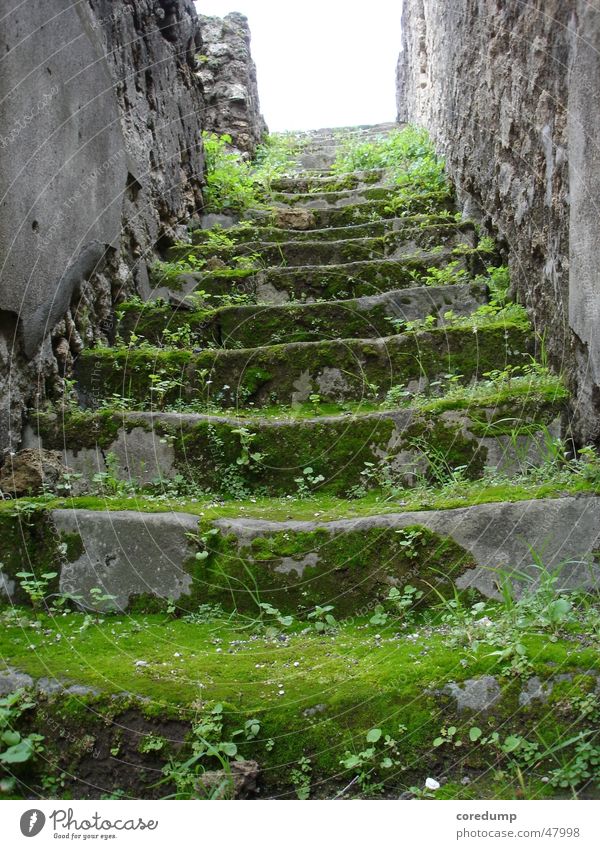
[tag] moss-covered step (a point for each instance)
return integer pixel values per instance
(127, 704)
(316, 282)
(248, 232)
(328, 199)
(335, 561)
(136, 560)
(395, 206)
(395, 244)
(339, 370)
(251, 326)
(333, 183)
(344, 454)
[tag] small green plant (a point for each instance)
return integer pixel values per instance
(36, 586)
(301, 778)
(448, 275)
(16, 748)
(322, 618)
(205, 613)
(168, 273)
(101, 599)
(210, 746)
(398, 395)
(271, 615)
(180, 337)
(403, 603)
(380, 755)
(215, 240)
(247, 457)
(110, 481)
(230, 185)
(152, 743)
(308, 482)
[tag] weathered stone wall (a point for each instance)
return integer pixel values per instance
(228, 76)
(100, 162)
(101, 166)
(510, 93)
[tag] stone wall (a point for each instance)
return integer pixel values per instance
(101, 166)
(228, 76)
(509, 92)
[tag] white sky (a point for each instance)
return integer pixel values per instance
(321, 63)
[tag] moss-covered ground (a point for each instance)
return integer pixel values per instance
(314, 695)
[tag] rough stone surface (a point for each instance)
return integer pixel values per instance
(228, 76)
(476, 694)
(564, 532)
(12, 680)
(31, 471)
(100, 118)
(294, 219)
(510, 93)
(535, 691)
(127, 554)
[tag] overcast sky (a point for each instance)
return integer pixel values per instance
(321, 62)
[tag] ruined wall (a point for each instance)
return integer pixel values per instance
(228, 77)
(101, 167)
(509, 92)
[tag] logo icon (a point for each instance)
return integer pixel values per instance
(32, 822)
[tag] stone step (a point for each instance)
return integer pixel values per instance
(396, 206)
(250, 326)
(335, 371)
(139, 699)
(319, 158)
(347, 453)
(339, 561)
(394, 244)
(341, 182)
(335, 199)
(332, 134)
(137, 557)
(446, 226)
(279, 285)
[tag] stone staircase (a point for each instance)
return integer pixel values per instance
(286, 416)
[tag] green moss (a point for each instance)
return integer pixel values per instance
(296, 570)
(76, 428)
(73, 545)
(362, 366)
(28, 544)
(356, 684)
(410, 225)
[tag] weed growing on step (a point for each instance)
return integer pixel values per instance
(15, 747)
(36, 587)
(168, 273)
(233, 184)
(404, 154)
(230, 186)
(380, 755)
(210, 747)
(301, 778)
